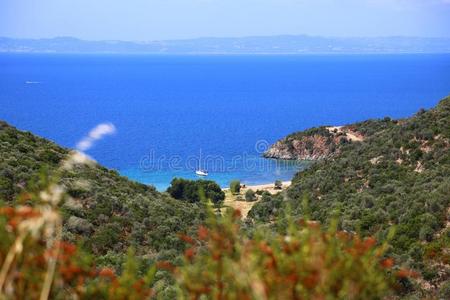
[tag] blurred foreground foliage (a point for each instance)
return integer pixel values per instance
(37, 264)
(221, 262)
(304, 262)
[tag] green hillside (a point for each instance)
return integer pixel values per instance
(397, 176)
(107, 213)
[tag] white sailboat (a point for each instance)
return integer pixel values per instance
(200, 171)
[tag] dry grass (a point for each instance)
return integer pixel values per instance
(244, 206)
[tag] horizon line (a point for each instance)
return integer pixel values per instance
(227, 37)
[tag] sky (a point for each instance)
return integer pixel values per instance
(146, 20)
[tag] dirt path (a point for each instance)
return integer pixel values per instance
(353, 136)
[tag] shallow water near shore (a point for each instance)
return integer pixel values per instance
(175, 114)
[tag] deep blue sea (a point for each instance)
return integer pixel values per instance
(176, 113)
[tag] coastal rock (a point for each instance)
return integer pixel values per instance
(313, 144)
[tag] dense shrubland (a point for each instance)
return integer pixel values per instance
(399, 176)
(105, 213)
(220, 262)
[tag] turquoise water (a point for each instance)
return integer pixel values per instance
(176, 113)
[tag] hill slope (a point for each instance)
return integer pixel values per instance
(281, 44)
(108, 213)
(398, 174)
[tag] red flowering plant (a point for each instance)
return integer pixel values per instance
(37, 264)
(307, 262)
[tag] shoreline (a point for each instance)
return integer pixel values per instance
(269, 187)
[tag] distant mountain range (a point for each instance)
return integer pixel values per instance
(283, 44)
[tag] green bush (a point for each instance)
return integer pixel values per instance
(278, 184)
(191, 190)
(235, 187)
(250, 195)
(259, 192)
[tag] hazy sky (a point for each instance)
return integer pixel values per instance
(173, 19)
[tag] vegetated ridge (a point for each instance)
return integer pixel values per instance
(395, 175)
(106, 213)
(281, 44)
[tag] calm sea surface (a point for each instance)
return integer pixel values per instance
(176, 113)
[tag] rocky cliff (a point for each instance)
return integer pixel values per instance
(314, 144)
